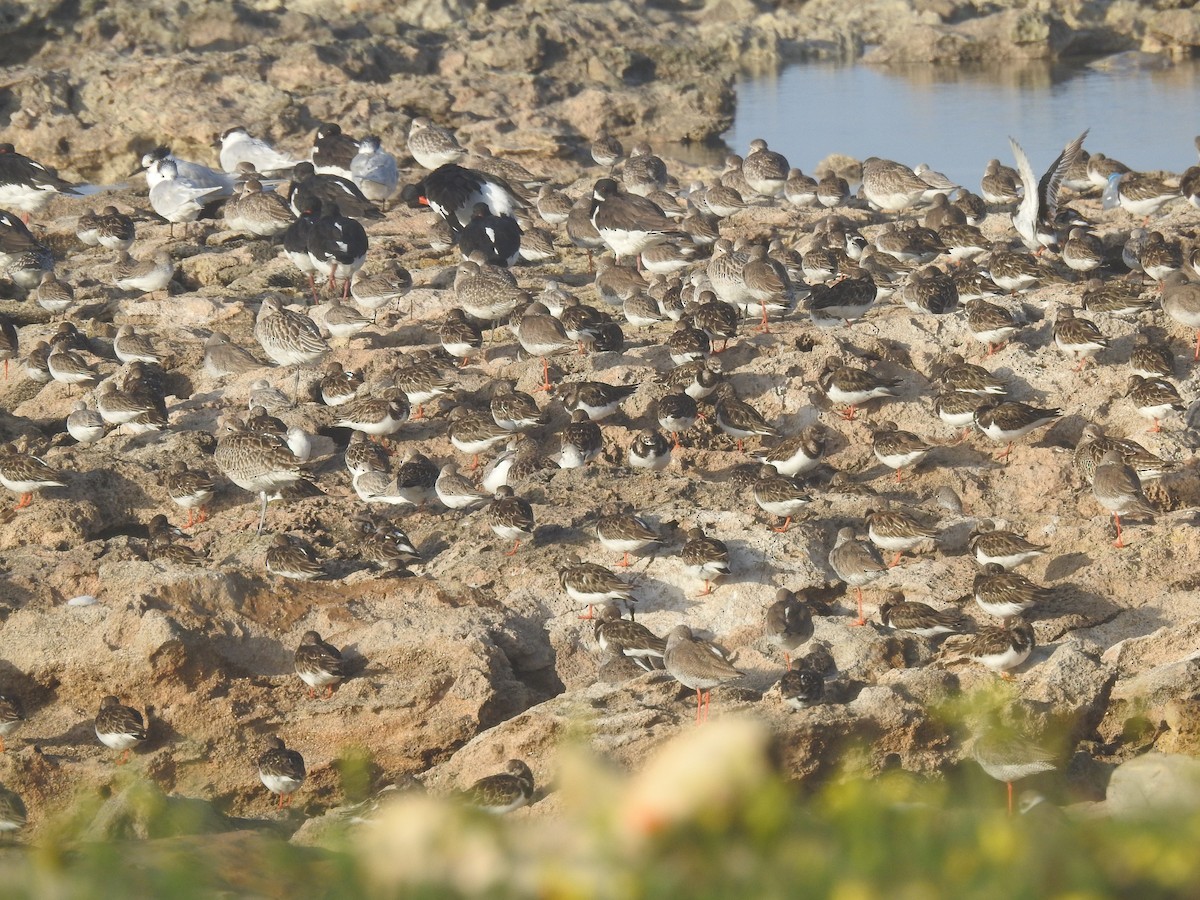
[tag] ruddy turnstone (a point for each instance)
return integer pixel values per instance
(1150, 358)
(999, 648)
(1117, 298)
(855, 563)
(1078, 338)
(801, 687)
(796, 455)
(191, 490)
(698, 665)
(281, 770)
(1005, 594)
(990, 324)
(705, 558)
(597, 399)
(788, 624)
(1004, 548)
(24, 474)
(627, 638)
(1181, 301)
(580, 441)
(626, 533)
(119, 727)
(847, 386)
(592, 584)
(1142, 195)
(649, 451)
(26, 184)
(739, 419)
(1155, 398)
(1117, 488)
(504, 792)
(292, 557)
(319, 665)
(13, 814)
(474, 433)
(920, 618)
(1010, 420)
(510, 517)
(12, 714)
(780, 496)
(1082, 251)
(898, 532)
(898, 449)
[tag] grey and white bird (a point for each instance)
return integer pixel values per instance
(374, 170)
(1035, 218)
(237, 147)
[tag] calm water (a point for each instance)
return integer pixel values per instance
(956, 119)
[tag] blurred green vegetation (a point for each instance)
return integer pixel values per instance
(707, 816)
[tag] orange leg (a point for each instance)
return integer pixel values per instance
(188, 523)
(782, 529)
(675, 435)
(699, 704)
(124, 757)
(280, 805)
(312, 693)
(624, 563)
(895, 560)
(590, 614)
(741, 448)
(475, 462)
(1, 743)
(707, 588)
(513, 551)
(1118, 542)
(420, 413)
(899, 475)
(545, 385)
(1156, 429)
(203, 514)
(862, 620)
(1010, 799)
(763, 326)
(849, 413)
(1007, 452)
(25, 500)
(1196, 355)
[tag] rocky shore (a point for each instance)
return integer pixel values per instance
(479, 657)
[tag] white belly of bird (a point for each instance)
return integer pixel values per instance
(630, 243)
(510, 532)
(477, 446)
(624, 545)
(571, 457)
(654, 463)
(1009, 659)
(900, 460)
(781, 508)
(1078, 349)
(280, 784)
(25, 198)
(596, 597)
(318, 679)
(1011, 561)
(854, 398)
(894, 543)
(385, 426)
(709, 570)
(957, 420)
(192, 501)
(796, 464)
(1002, 610)
(118, 741)
(996, 433)
(1156, 412)
(27, 487)
(1014, 282)
(85, 434)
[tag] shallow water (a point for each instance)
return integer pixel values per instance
(957, 118)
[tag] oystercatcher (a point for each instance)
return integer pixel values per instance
(27, 185)
(452, 191)
(497, 237)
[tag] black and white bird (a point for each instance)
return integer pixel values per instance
(498, 238)
(295, 241)
(452, 192)
(627, 223)
(337, 246)
(27, 185)
(332, 150)
(1036, 217)
(308, 185)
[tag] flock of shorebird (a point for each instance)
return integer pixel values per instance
(908, 235)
